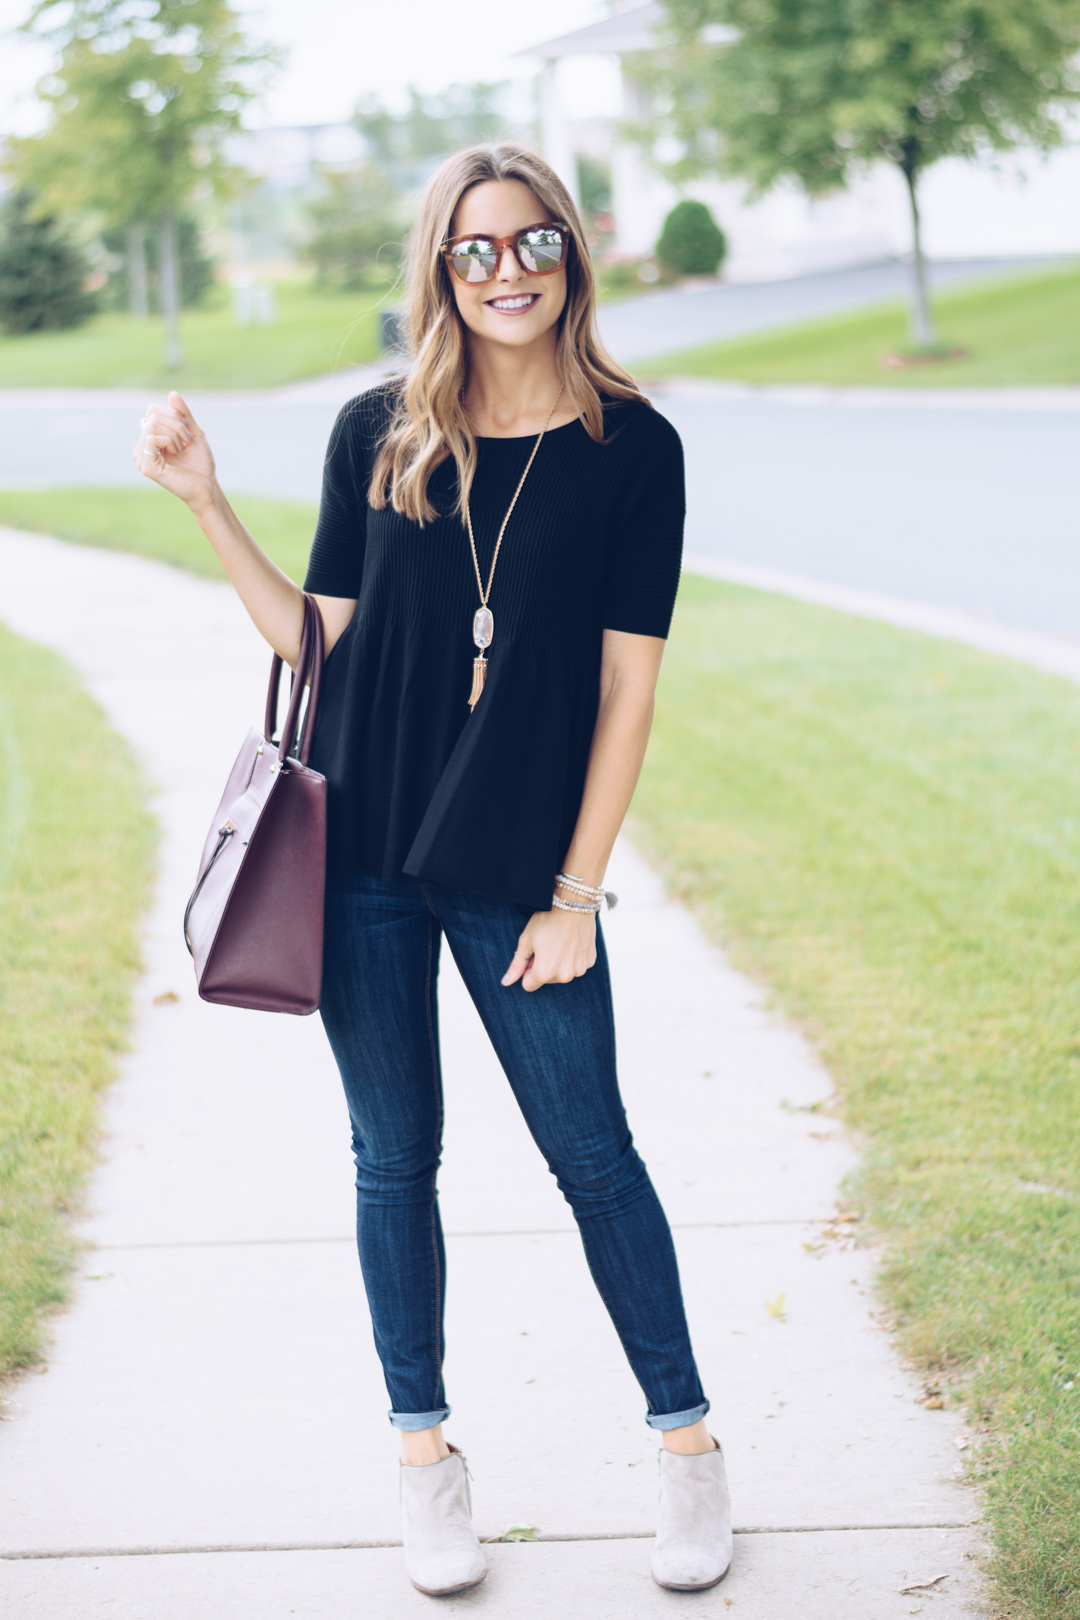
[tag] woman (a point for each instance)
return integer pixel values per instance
(496, 560)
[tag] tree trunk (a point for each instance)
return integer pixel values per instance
(170, 291)
(923, 330)
(136, 268)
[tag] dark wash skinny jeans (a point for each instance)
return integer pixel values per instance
(557, 1047)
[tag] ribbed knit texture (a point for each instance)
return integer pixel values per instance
(420, 787)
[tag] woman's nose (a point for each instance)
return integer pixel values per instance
(509, 269)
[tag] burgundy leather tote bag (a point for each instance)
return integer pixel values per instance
(254, 923)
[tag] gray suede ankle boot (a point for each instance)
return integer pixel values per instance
(442, 1553)
(693, 1533)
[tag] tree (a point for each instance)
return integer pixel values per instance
(408, 146)
(812, 90)
(356, 226)
(142, 98)
(358, 219)
(42, 273)
(133, 282)
(691, 242)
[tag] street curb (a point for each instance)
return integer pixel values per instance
(1056, 655)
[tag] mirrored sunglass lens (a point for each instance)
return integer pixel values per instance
(541, 250)
(473, 260)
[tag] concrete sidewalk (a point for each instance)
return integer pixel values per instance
(213, 1401)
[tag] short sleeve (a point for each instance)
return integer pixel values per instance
(646, 535)
(336, 562)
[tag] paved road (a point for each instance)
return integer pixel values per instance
(213, 1399)
(965, 500)
(640, 329)
(971, 506)
(953, 502)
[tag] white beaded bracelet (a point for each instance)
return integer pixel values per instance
(572, 905)
(588, 891)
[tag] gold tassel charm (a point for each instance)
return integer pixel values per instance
(479, 676)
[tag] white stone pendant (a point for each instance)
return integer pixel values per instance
(483, 627)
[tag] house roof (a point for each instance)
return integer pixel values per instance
(635, 28)
(630, 30)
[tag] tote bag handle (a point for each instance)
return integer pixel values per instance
(309, 671)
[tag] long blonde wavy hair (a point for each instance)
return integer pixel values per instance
(430, 423)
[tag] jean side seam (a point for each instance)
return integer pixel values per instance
(439, 1279)
(609, 1020)
(611, 1314)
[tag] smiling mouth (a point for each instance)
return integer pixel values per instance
(515, 305)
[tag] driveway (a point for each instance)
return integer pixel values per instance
(663, 322)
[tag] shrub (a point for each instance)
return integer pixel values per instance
(691, 242)
(594, 186)
(42, 272)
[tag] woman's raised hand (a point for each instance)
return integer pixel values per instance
(172, 449)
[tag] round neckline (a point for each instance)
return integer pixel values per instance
(517, 438)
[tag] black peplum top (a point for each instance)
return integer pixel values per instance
(418, 786)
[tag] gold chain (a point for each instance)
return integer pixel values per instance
(521, 481)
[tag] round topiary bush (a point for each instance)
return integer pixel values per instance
(691, 242)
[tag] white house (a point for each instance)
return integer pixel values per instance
(1022, 205)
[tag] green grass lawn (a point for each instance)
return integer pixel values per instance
(76, 851)
(148, 520)
(315, 332)
(1016, 333)
(884, 828)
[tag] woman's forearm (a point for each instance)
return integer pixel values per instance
(560, 945)
(275, 604)
(618, 748)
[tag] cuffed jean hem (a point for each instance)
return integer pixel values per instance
(413, 1422)
(677, 1420)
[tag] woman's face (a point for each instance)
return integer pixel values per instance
(515, 308)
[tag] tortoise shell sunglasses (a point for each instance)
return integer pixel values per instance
(540, 250)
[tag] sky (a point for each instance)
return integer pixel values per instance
(340, 49)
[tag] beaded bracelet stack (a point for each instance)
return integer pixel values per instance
(592, 899)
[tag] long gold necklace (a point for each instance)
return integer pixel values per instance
(483, 622)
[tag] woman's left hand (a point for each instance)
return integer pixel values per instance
(555, 947)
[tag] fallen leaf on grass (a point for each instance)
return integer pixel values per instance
(961, 1442)
(922, 1586)
(775, 1307)
(934, 1404)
